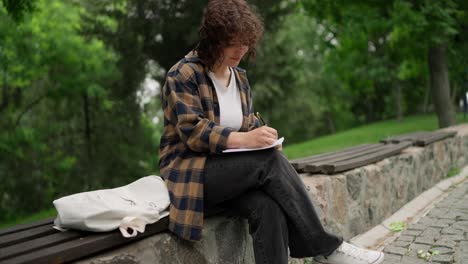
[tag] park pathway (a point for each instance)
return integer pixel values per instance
(441, 236)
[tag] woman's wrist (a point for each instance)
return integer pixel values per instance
(235, 140)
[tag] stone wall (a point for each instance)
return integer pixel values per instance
(349, 203)
(225, 241)
(352, 202)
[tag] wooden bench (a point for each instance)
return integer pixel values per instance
(351, 158)
(347, 159)
(420, 138)
(40, 243)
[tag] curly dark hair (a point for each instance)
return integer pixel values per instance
(226, 21)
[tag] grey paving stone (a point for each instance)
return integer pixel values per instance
(461, 205)
(450, 215)
(448, 221)
(442, 250)
(426, 220)
(442, 258)
(417, 226)
(438, 212)
(392, 259)
(431, 232)
(395, 250)
(443, 204)
(412, 260)
(406, 238)
(401, 243)
(444, 229)
(391, 262)
(463, 217)
(450, 231)
(461, 225)
(445, 243)
(412, 232)
(443, 223)
(425, 240)
(461, 257)
(450, 201)
(456, 238)
(463, 246)
(414, 248)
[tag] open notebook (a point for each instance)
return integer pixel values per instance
(278, 142)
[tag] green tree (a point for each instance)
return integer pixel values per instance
(66, 126)
(17, 8)
(409, 33)
(289, 84)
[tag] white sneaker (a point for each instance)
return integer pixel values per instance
(350, 254)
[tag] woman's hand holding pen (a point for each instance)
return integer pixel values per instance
(257, 138)
(262, 137)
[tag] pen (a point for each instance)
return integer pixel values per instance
(260, 118)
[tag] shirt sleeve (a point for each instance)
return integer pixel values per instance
(183, 108)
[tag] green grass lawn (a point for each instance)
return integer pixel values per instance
(365, 134)
(372, 133)
(32, 218)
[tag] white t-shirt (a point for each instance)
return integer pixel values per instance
(230, 107)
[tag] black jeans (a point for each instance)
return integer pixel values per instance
(264, 188)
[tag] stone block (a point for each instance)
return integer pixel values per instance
(414, 248)
(425, 240)
(443, 250)
(412, 232)
(431, 232)
(354, 184)
(392, 258)
(395, 250)
(225, 240)
(462, 225)
(457, 237)
(449, 231)
(406, 238)
(442, 259)
(412, 260)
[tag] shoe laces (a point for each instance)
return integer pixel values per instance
(353, 251)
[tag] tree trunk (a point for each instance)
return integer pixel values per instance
(440, 86)
(427, 97)
(453, 95)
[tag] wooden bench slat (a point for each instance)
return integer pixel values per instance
(85, 246)
(331, 153)
(405, 137)
(434, 137)
(315, 167)
(22, 227)
(28, 234)
(422, 138)
(390, 150)
(38, 243)
(300, 164)
(366, 151)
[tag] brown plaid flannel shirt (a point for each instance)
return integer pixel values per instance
(191, 133)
